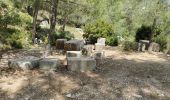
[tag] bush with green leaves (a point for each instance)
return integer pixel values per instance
(13, 38)
(161, 39)
(98, 29)
(130, 46)
(112, 41)
(61, 35)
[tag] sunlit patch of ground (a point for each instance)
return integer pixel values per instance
(120, 76)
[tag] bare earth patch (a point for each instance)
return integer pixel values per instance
(120, 76)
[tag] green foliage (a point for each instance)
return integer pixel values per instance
(130, 46)
(162, 40)
(61, 35)
(144, 33)
(13, 38)
(112, 41)
(98, 29)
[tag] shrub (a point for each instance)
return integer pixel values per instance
(112, 41)
(61, 35)
(98, 29)
(130, 46)
(162, 40)
(144, 33)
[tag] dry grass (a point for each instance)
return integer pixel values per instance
(121, 76)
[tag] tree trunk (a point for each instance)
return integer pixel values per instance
(35, 14)
(64, 23)
(53, 19)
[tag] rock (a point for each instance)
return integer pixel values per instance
(73, 45)
(88, 50)
(60, 44)
(99, 47)
(101, 41)
(26, 63)
(143, 45)
(98, 56)
(49, 64)
(154, 47)
(73, 54)
(82, 64)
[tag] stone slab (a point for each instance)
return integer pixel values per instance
(60, 44)
(74, 54)
(82, 64)
(154, 47)
(88, 50)
(26, 63)
(99, 47)
(74, 45)
(49, 64)
(101, 41)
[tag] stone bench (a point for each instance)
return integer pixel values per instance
(82, 64)
(49, 64)
(26, 63)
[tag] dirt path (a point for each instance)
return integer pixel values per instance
(121, 76)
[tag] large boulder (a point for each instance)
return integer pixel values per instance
(73, 54)
(26, 63)
(47, 64)
(60, 44)
(154, 47)
(73, 45)
(82, 64)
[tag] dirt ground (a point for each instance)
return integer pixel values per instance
(120, 76)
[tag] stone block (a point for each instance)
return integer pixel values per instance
(82, 64)
(73, 54)
(98, 56)
(143, 45)
(154, 47)
(88, 50)
(101, 41)
(47, 64)
(60, 44)
(26, 63)
(99, 47)
(73, 45)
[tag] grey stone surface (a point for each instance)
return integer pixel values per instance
(99, 47)
(154, 47)
(101, 41)
(88, 50)
(143, 45)
(60, 44)
(98, 56)
(73, 54)
(74, 45)
(82, 64)
(26, 63)
(49, 64)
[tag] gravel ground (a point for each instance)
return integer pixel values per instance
(120, 76)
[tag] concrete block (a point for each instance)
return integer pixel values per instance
(60, 44)
(26, 63)
(73, 54)
(82, 64)
(49, 64)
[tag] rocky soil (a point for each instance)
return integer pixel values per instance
(120, 76)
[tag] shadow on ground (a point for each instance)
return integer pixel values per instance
(115, 79)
